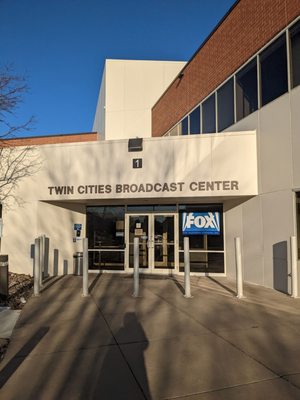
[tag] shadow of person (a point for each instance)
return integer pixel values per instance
(119, 370)
(134, 342)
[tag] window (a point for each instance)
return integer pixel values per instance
(295, 54)
(210, 258)
(185, 126)
(105, 227)
(273, 68)
(225, 105)
(209, 115)
(246, 90)
(151, 208)
(195, 121)
(273, 64)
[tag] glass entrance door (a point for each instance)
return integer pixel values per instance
(139, 227)
(158, 241)
(164, 241)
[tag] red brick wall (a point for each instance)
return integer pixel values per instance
(40, 140)
(249, 26)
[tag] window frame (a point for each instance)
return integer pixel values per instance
(286, 32)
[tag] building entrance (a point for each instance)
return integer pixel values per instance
(158, 241)
(111, 231)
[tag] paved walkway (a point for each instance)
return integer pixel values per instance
(159, 346)
(8, 319)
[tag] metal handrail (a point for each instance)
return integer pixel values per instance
(203, 251)
(103, 250)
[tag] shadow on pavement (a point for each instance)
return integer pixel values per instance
(94, 283)
(50, 282)
(104, 383)
(222, 285)
(17, 360)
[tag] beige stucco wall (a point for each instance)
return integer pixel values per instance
(215, 157)
(128, 91)
(266, 222)
(229, 157)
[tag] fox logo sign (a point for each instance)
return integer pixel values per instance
(204, 223)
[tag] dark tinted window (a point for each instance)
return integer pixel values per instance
(209, 115)
(140, 209)
(246, 90)
(225, 105)
(273, 63)
(195, 121)
(185, 126)
(295, 54)
(105, 226)
(151, 208)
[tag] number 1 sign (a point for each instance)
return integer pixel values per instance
(137, 163)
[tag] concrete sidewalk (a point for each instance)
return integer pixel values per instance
(8, 320)
(159, 346)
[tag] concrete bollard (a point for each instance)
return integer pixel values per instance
(136, 260)
(187, 269)
(46, 257)
(239, 268)
(85, 267)
(36, 268)
(42, 258)
(294, 262)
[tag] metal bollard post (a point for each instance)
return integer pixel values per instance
(294, 259)
(36, 268)
(85, 268)
(136, 255)
(187, 280)
(239, 268)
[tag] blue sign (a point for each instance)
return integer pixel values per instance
(77, 227)
(203, 223)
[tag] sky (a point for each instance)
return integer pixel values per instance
(60, 46)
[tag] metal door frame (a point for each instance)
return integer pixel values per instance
(150, 243)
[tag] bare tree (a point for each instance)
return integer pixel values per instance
(16, 162)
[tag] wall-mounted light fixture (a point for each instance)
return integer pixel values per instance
(135, 144)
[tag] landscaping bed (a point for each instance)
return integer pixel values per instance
(20, 288)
